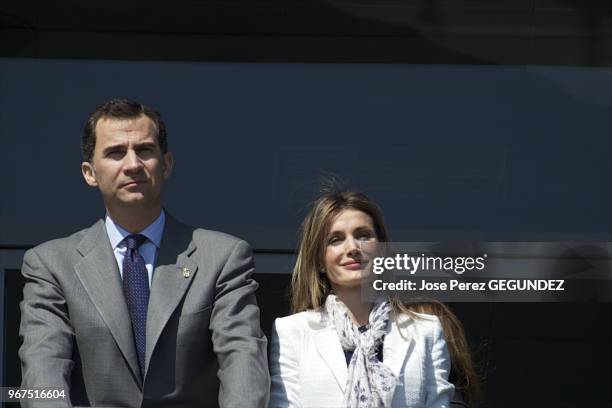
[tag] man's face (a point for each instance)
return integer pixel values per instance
(128, 165)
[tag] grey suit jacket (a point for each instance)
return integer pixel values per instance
(204, 345)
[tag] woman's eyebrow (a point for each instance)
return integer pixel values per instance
(364, 228)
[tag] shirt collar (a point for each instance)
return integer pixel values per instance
(153, 231)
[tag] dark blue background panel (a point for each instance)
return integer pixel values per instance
(445, 150)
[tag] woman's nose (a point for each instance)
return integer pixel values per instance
(352, 246)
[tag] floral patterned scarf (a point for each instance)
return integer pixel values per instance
(370, 383)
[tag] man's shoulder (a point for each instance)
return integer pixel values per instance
(180, 233)
(216, 237)
(64, 245)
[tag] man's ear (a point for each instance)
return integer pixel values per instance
(89, 173)
(168, 164)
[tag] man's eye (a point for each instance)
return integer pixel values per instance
(145, 150)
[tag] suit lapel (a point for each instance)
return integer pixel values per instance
(99, 274)
(397, 342)
(329, 348)
(171, 279)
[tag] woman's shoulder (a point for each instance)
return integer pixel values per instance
(299, 321)
(296, 318)
(425, 324)
(417, 318)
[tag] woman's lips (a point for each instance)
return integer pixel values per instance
(352, 266)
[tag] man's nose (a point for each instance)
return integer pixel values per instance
(132, 161)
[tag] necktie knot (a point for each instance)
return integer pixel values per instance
(134, 241)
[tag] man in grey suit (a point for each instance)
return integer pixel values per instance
(140, 310)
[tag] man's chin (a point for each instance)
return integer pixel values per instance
(133, 201)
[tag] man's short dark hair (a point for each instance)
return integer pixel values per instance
(120, 109)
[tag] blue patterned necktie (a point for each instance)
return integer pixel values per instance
(136, 292)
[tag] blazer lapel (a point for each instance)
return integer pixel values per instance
(329, 348)
(397, 342)
(171, 278)
(99, 274)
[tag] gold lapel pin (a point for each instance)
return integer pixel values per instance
(186, 272)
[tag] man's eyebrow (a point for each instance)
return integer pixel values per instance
(121, 146)
(145, 144)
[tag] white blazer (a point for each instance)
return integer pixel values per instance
(308, 367)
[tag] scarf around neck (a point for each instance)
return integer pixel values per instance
(370, 383)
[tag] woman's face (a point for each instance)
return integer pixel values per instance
(344, 258)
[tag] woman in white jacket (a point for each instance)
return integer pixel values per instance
(338, 351)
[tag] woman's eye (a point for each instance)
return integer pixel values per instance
(333, 240)
(364, 236)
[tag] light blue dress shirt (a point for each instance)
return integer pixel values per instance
(148, 250)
